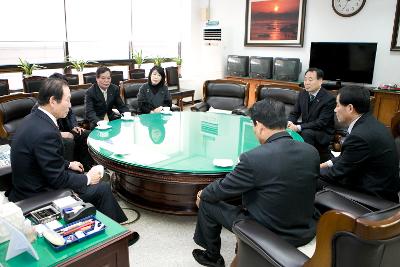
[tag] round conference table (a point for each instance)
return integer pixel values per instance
(162, 160)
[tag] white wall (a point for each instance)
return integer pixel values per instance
(373, 24)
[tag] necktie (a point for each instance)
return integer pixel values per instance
(312, 97)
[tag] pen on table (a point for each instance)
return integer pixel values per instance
(63, 230)
(73, 230)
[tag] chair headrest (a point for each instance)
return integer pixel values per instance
(226, 90)
(16, 108)
(78, 97)
(287, 96)
(132, 89)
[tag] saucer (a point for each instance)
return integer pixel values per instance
(223, 162)
(165, 112)
(103, 127)
(131, 118)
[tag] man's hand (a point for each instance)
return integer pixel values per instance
(76, 166)
(292, 126)
(94, 175)
(198, 198)
(78, 130)
(323, 165)
(67, 135)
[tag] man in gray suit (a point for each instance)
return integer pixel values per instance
(277, 183)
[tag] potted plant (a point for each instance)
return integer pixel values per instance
(138, 58)
(28, 68)
(77, 64)
(178, 61)
(158, 60)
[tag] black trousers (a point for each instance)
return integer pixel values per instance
(210, 219)
(320, 140)
(101, 196)
(77, 149)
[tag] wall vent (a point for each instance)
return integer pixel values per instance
(212, 33)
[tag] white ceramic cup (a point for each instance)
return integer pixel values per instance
(167, 109)
(102, 124)
(127, 115)
(100, 169)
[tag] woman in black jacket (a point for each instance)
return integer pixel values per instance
(154, 95)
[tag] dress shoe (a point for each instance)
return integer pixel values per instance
(133, 238)
(201, 257)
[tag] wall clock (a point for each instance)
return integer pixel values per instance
(347, 8)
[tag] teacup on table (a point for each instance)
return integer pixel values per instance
(102, 124)
(127, 115)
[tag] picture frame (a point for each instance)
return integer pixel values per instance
(395, 45)
(275, 23)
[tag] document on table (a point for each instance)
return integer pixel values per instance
(137, 154)
(143, 156)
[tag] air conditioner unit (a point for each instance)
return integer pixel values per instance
(212, 51)
(212, 32)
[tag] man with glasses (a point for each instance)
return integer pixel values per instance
(277, 183)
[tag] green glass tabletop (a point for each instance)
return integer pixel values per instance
(179, 141)
(50, 257)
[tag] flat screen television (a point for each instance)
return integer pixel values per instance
(238, 66)
(347, 62)
(261, 67)
(287, 69)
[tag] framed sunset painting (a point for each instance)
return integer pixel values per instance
(275, 22)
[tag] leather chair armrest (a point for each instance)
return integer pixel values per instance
(39, 201)
(275, 250)
(326, 200)
(202, 106)
(371, 202)
(241, 111)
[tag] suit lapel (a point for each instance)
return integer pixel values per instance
(109, 94)
(304, 101)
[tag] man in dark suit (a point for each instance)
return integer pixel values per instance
(37, 156)
(73, 136)
(368, 161)
(277, 183)
(102, 97)
(315, 105)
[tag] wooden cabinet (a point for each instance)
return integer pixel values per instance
(256, 82)
(386, 105)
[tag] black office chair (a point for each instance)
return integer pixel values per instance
(13, 108)
(282, 94)
(117, 77)
(78, 103)
(172, 76)
(72, 79)
(137, 74)
(224, 94)
(33, 83)
(4, 87)
(89, 77)
(129, 91)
